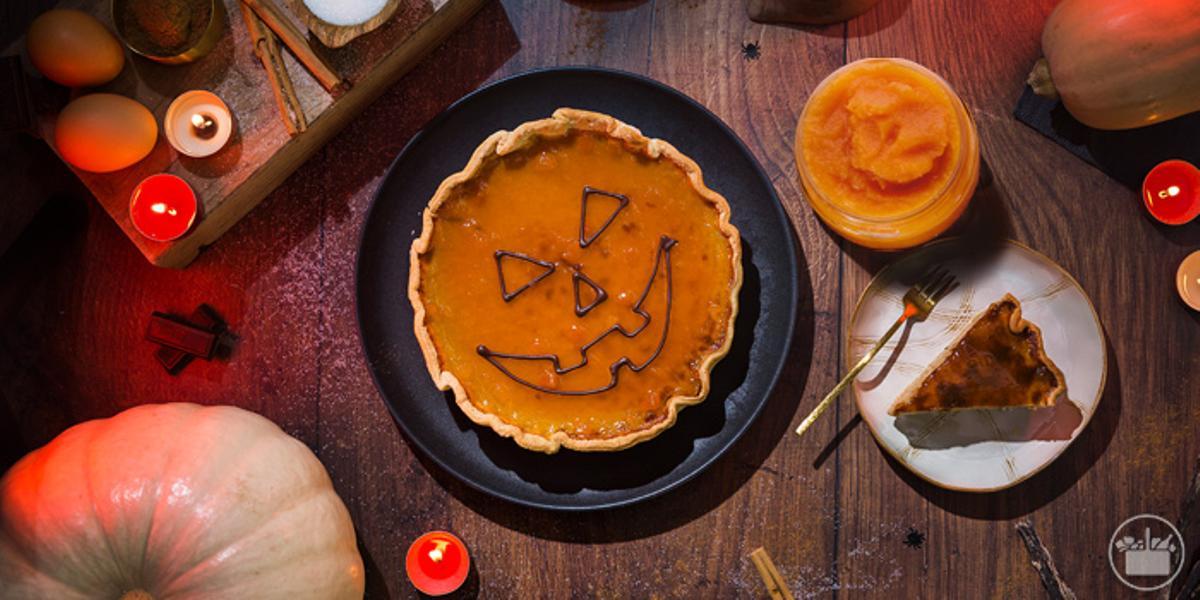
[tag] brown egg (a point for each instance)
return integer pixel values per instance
(71, 47)
(104, 132)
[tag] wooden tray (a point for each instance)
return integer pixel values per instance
(261, 154)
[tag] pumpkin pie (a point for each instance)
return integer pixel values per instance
(998, 362)
(575, 284)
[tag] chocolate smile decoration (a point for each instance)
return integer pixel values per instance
(662, 263)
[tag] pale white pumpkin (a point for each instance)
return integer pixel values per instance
(175, 502)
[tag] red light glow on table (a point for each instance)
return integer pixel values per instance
(1171, 192)
(163, 207)
(437, 563)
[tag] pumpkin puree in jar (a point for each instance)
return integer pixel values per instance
(887, 153)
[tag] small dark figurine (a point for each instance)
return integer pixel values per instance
(203, 335)
(751, 51)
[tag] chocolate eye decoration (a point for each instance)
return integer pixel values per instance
(598, 293)
(503, 254)
(662, 262)
(586, 240)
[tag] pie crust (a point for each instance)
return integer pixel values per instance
(999, 361)
(563, 123)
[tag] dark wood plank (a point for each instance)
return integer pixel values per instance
(391, 495)
(700, 51)
(787, 505)
(1095, 229)
(959, 552)
(612, 33)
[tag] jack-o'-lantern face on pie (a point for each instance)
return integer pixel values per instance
(575, 284)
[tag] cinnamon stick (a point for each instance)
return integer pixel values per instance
(285, 80)
(1043, 563)
(266, 47)
(770, 575)
(294, 40)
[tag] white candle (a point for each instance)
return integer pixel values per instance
(1187, 281)
(197, 124)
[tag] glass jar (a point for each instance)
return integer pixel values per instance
(860, 204)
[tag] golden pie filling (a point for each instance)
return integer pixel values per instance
(999, 362)
(576, 281)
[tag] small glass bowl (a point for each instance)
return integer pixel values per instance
(207, 41)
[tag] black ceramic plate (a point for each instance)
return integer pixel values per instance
(570, 480)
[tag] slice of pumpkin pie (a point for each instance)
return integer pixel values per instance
(998, 362)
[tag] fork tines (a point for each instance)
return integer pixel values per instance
(937, 284)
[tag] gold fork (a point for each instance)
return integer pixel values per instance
(919, 301)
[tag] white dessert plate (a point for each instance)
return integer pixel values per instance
(976, 450)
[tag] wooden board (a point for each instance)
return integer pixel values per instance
(261, 154)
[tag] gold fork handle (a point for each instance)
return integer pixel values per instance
(845, 382)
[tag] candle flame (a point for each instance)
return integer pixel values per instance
(162, 208)
(200, 121)
(439, 552)
(1170, 192)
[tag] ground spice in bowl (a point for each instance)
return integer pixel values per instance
(163, 28)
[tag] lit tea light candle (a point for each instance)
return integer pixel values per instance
(1171, 192)
(197, 124)
(437, 563)
(203, 126)
(163, 207)
(1187, 281)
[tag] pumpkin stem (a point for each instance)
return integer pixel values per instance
(137, 595)
(1040, 80)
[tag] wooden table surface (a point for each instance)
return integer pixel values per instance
(833, 510)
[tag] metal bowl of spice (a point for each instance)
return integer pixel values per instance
(169, 31)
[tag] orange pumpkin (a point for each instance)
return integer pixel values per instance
(1120, 64)
(175, 501)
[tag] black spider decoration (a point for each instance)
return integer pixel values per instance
(914, 539)
(751, 51)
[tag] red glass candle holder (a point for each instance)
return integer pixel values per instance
(1171, 192)
(163, 207)
(437, 563)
